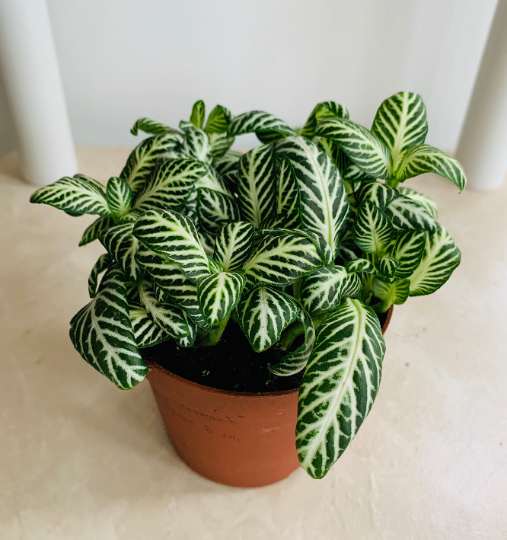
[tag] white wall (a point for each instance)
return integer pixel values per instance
(122, 59)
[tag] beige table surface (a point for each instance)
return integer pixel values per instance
(80, 459)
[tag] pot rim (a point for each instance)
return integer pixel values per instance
(218, 391)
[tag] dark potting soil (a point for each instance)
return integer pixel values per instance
(230, 365)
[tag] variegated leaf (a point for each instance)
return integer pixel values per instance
(359, 265)
(102, 264)
(212, 180)
(370, 154)
(256, 184)
(94, 230)
(407, 214)
(326, 109)
(170, 184)
(119, 197)
(143, 158)
(401, 122)
(263, 314)
(429, 205)
(174, 235)
(220, 144)
(166, 316)
(218, 120)
(287, 195)
(281, 221)
(227, 163)
(390, 293)
(339, 385)
(219, 294)
(198, 114)
(295, 361)
(77, 195)
(234, 245)
(323, 204)
(188, 341)
(386, 268)
(408, 249)
(196, 144)
(439, 260)
(215, 210)
(146, 332)
(428, 159)
(207, 242)
(122, 245)
(280, 259)
(258, 122)
(376, 192)
(102, 334)
(372, 231)
(153, 127)
(215, 266)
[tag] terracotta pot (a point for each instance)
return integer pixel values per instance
(234, 438)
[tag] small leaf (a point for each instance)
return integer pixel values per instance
(429, 205)
(218, 120)
(408, 249)
(198, 114)
(407, 214)
(215, 210)
(227, 163)
(122, 245)
(220, 144)
(219, 294)
(386, 268)
(359, 265)
(326, 109)
(119, 196)
(372, 230)
(376, 192)
(263, 314)
(390, 293)
(234, 245)
(196, 144)
(102, 334)
(258, 122)
(94, 230)
(146, 332)
(152, 126)
(102, 264)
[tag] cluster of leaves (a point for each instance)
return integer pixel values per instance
(297, 237)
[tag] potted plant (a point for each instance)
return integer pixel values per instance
(235, 282)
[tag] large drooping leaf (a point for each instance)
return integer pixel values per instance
(215, 210)
(169, 278)
(372, 231)
(170, 184)
(295, 361)
(174, 235)
(146, 332)
(263, 314)
(407, 214)
(408, 249)
(152, 126)
(324, 289)
(280, 259)
(167, 316)
(438, 262)
(326, 109)
(401, 122)
(370, 154)
(323, 203)
(122, 245)
(218, 120)
(234, 245)
(119, 197)
(77, 195)
(102, 333)
(143, 158)
(256, 184)
(219, 294)
(94, 230)
(428, 159)
(196, 144)
(102, 264)
(429, 205)
(339, 385)
(258, 122)
(198, 114)
(390, 293)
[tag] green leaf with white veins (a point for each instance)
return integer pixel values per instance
(407, 214)
(94, 230)
(168, 317)
(370, 154)
(212, 180)
(227, 163)
(215, 210)
(220, 144)
(339, 386)
(198, 114)
(280, 259)
(429, 205)
(196, 144)
(153, 127)
(390, 293)
(174, 235)
(143, 158)
(170, 184)
(102, 264)
(324, 208)
(376, 192)
(218, 120)
(146, 332)
(359, 265)
(121, 244)
(258, 122)
(256, 184)
(119, 197)
(386, 268)
(408, 249)
(263, 314)
(78, 195)
(102, 334)
(326, 109)
(428, 159)
(439, 260)
(219, 294)
(234, 245)
(287, 195)
(372, 231)
(401, 122)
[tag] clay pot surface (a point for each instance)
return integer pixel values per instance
(234, 438)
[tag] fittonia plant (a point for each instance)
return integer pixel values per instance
(297, 237)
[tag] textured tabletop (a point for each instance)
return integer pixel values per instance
(80, 459)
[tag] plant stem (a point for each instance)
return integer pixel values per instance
(213, 337)
(295, 330)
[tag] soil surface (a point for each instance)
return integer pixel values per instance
(231, 365)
